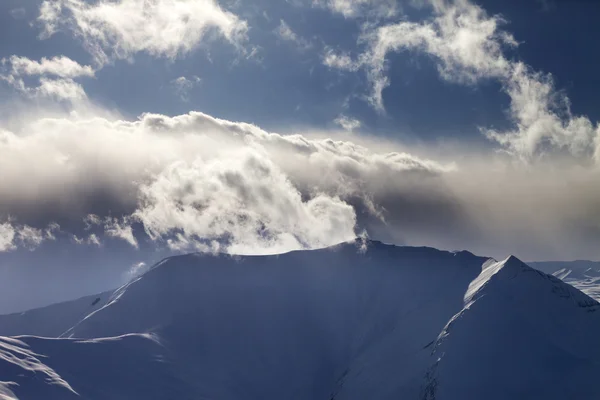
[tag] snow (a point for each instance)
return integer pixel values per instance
(20, 362)
(384, 322)
(53, 320)
(523, 334)
(584, 275)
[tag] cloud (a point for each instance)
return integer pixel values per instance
(120, 229)
(468, 46)
(91, 240)
(55, 77)
(14, 235)
(347, 123)
(341, 61)
(242, 200)
(60, 66)
(543, 120)
(136, 270)
(51, 230)
(284, 32)
(60, 89)
(31, 237)
(163, 28)
(182, 86)
(7, 235)
(195, 182)
(191, 177)
(360, 8)
(112, 227)
(465, 41)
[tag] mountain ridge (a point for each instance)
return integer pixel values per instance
(358, 320)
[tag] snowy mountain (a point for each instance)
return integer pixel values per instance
(584, 275)
(53, 320)
(360, 320)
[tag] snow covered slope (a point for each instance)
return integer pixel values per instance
(521, 334)
(339, 323)
(584, 275)
(53, 320)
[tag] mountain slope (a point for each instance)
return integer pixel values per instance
(127, 367)
(584, 275)
(521, 334)
(53, 320)
(339, 323)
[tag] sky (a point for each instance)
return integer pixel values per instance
(131, 130)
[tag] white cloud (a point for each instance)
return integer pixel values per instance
(468, 46)
(183, 86)
(13, 236)
(465, 41)
(341, 61)
(119, 29)
(30, 237)
(60, 89)
(50, 17)
(55, 77)
(543, 119)
(137, 269)
(284, 32)
(244, 200)
(51, 231)
(347, 123)
(92, 240)
(7, 236)
(120, 229)
(59, 66)
(361, 8)
(91, 220)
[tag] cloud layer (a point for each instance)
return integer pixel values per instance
(197, 182)
(192, 180)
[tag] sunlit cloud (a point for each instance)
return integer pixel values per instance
(120, 29)
(54, 78)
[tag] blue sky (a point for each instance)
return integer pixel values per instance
(131, 130)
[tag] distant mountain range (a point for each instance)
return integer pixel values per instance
(361, 320)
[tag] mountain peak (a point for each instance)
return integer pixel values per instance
(512, 260)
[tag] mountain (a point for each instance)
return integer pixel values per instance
(358, 320)
(53, 320)
(584, 275)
